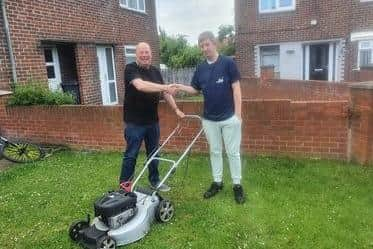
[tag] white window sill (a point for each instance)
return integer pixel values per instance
(276, 11)
(134, 10)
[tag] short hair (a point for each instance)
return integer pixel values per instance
(207, 35)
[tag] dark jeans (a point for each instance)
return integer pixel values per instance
(134, 135)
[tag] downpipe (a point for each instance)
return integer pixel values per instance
(9, 42)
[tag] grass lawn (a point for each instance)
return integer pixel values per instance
(291, 204)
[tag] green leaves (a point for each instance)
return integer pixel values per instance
(36, 93)
(176, 53)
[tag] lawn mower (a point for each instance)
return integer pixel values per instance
(123, 217)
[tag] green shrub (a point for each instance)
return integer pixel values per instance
(38, 94)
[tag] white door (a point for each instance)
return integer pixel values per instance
(106, 65)
(53, 68)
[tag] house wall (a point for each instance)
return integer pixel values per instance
(336, 19)
(85, 23)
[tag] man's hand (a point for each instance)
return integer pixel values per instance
(171, 89)
(239, 116)
(179, 113)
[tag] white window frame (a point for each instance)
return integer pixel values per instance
(124, 4)
(126, 54)
(103, 74)
(54, 83)
(361, 48)
(366, 1)
(278, 8)
(276, 70)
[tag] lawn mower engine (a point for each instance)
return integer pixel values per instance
(116, 208)
(121, 218)
(112, 211)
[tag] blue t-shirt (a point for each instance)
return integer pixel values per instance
(215, 81)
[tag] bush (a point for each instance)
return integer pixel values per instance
(38, 94)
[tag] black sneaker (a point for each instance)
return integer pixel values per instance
(213, 190)
(239, 195)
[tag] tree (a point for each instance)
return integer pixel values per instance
(226, 38)
(176, 53)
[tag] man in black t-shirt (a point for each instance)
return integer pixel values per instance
(143, 87)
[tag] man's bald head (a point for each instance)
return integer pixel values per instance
(143, 54)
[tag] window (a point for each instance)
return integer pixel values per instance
(267, 6)
(270, 56)
(130, 54)
(137, 5)
(365, 53)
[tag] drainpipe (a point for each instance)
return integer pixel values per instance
(9, 42)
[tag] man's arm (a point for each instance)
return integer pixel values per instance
(149, 87)
(237, 97)
(172, 103)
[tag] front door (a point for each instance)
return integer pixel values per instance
(319, 61)
(106, 65)
(53, 68)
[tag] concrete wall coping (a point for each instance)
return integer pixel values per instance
(3, 93)
(362, 85)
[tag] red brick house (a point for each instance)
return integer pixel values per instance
(81, 45)
(303, 39)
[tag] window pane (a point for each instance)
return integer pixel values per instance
(366, 44)
(132, 4)
(285, 3)
(365, 57)
(123, 2)
(109, 63)
(270, 56)
(50, 72)
(130, 59)
(268, 4)
(130, 51)
(48, 55)
(141, 5)
(112, 90)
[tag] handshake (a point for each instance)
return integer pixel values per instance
(174, 88)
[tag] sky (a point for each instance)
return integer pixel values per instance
(191, 17)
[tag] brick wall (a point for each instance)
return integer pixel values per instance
(88, 74)
(336, 19)
(254, 88)
(317, 128)
(362, 122)
(85, 23)
(364, 74)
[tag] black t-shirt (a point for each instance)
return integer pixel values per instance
(139, 107)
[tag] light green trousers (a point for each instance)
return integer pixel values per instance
(230, 131)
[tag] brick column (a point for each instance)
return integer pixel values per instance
(266, 73)
(366, 73)
(362, 122)
(4, 96)
(88, 74)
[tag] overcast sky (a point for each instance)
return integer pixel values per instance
(191, 17)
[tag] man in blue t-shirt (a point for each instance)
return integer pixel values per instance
(218, 80)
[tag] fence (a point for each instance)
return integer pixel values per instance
(183, 75)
